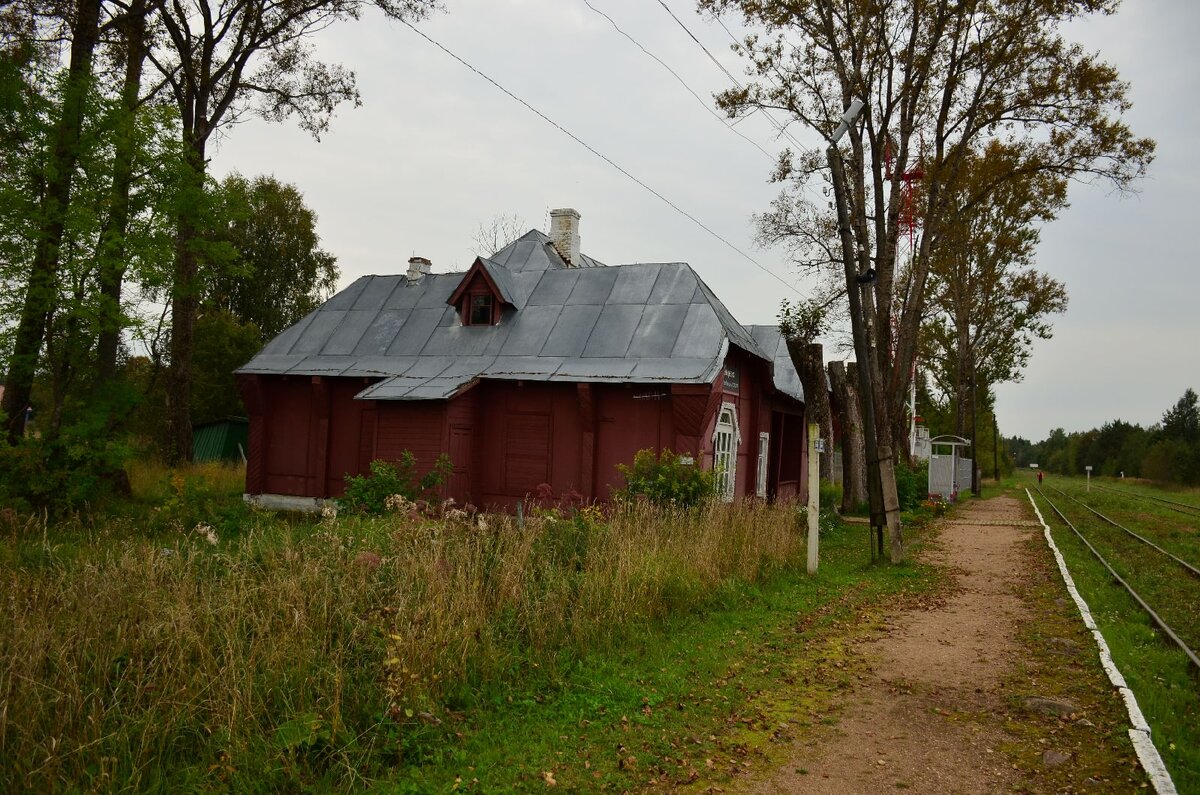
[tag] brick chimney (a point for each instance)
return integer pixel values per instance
(564, 234)
(417, 268)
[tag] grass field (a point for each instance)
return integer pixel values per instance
(1166, 685)
(185, 643)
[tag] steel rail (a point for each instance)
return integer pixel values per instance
(1193, 510)
(1191, 655)
(1192, 569)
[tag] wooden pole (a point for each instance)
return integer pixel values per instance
(814, 496)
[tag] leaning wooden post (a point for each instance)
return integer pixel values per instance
(814, 495)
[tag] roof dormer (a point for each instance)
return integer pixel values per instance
(486, 288)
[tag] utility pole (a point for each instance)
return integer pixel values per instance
(881, 477)
(995, 444)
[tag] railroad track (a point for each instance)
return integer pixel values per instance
(1179, 507)
(1189, 567)
(1190, 572)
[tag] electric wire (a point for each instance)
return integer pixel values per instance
(602, 156)
(1191, 655)
(778, 126)
(681, 81)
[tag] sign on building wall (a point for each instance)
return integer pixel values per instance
(733, 379)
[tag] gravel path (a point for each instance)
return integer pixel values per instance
(899, 733)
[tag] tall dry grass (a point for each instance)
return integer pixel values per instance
(139, 665)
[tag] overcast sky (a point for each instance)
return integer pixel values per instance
(436, 150)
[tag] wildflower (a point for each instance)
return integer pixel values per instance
(207, 533)
(397, 503)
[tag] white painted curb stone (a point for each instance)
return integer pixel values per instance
(1147, 753)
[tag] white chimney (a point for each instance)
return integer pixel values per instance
(564, 234)
(417, 268)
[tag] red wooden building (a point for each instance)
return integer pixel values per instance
(538, 365)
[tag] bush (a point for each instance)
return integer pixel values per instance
(81, 466)
(369, 493)
(912, 485)
(665, 479)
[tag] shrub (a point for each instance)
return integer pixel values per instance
(912, 485)
(80, 466)
(666, 479)
(369, 493)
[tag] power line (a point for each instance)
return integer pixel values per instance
(780, 127)
(603, 157)
(674, 74)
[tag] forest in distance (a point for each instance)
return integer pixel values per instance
(1166, 452)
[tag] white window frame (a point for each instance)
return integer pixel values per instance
(725, 457)
(764, 454)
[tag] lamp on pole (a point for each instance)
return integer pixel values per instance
(881, 478)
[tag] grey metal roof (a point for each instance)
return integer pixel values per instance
(640, 323)
(783, 372)
(509, 292)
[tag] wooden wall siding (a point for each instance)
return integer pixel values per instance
(289, 404)
(506, 438)
(345, 435)
(526, 452)
(463, 422)
(529, 434)
(416, 426)
(628, 419)
(251, 389)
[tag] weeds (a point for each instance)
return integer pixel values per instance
(284, 655)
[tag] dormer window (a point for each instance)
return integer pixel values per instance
(485, 290)
(482, 307)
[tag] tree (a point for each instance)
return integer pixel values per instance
(800, 325)
(224, 61)
(223, 343)
(1180, 442)
(987, 304)
(112, 256)
(40, 286)
(939, 79)
(260, 233)
(272, 239)
(493, 235)
(854, 456)
(1182, 421)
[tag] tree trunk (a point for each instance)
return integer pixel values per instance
(808, 359)
(185, 299)
(962, 376)
(60, 171)
(116, 226)
(854, 454)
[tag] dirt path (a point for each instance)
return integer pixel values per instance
(903, 729)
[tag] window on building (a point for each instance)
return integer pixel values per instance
(481, 310)
(764, 447)
(725, 441)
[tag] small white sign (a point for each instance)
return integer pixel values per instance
(686, 459)
(1033, 466)
(820, 445)
(1088, 468)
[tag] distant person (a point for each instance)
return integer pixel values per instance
(1040, 476)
